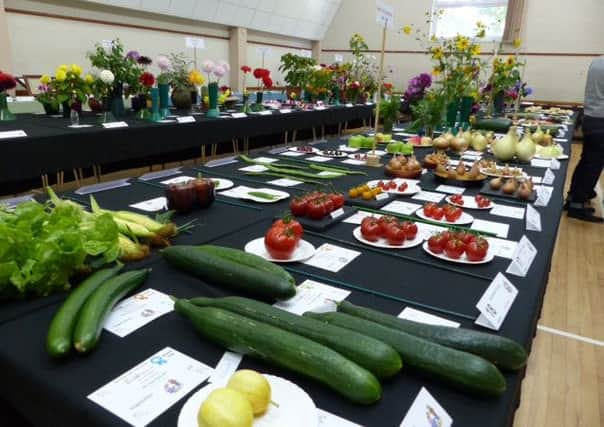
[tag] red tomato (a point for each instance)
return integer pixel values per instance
(410, 229)
(481, 201)
(447, 235)
(465, 237)
(454, 248)
(477, 249)
(280, 242)
(371, 229)
(403, 187)
(317, 208)
(337, 199)
(386, 221)
(329, 206)
(395, 235)
(438, 213)
(289, 223)
(436, 243)
(313, 195)
(391, 185)
(381, 184)
(429, 208)
(453, 213)
(298, 206)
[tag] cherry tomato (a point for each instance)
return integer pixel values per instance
(436, 243)
(465, 237)
(290, 223)
(457, 199)
(370, 229)
(329, 206)
(410, 229)
(477, 249)
(337, 199)
(395, 235)
(280, 242)
(386, 221)
(447, 235)
(454, 248)
(298, 206)
(453, 213)
(438, 213)
(403, 187)
(391, 185)
(316, 209)
(429, 208)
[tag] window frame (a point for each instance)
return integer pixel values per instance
(450, 4)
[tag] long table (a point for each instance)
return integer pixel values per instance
(51, 393)
(50, 145)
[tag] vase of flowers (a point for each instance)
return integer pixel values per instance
(390, 112)
(415, 91)
(264, 82)
(71, 88)
(6, 82)
(155, 114)
(196, 80)
(218, 70)
(245, 108)
(47, 96)
(465, 109)
(140, 101)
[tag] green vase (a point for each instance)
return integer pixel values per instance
(213, 97)
(336, 95)
(257, 106)
(155, 115)
(164, 99)
(452, 108)
(498, 103)
(245, 107)
(464, 111)
(5, 113)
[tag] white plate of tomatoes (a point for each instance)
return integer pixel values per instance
(307, 149)
(387, 232)
(446, 214)
(459, 246)
(476, 202)
(399, 186)
(301, 252)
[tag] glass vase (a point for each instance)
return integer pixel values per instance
(257, 106)
(164, 99)
(498, 103)
(336, 95)
(107, 115)
(5, 113)
(464, 111)
(245, 107)
(213, 100)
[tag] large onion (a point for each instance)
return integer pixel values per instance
(525, 150)
(504, 149)
(479, 142)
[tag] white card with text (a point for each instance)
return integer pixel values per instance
(427, 318)
(500, 229)
(400, 207)
(285, 182)
(225, 368)
(555, 164)
(152, 205)
(12, 134)
(238, 115)
(185, 119)
(522, 258)
(495, 303)
(113, 125)
(313, 296)
(507, 211)
(327, 419)
(178, 180)
(548, 178)
(331, 257)
(426, 412)
(429, 196)
(501, 247)
(533, 219)
(544, 194)
(450, 189)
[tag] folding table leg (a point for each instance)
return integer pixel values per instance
(314, 134)
(44, 181)
(246, 145)
(214, 150)
(203, 154)
(322, 131)
(285, 139)
(96, 169)
(60, 179)
(235, 142)
(294, 136)
(76, 177)
(340, 129)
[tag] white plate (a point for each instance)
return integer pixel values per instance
(314, 150)
(486, 172)
(322, 153)
(560, 157)
(280, 194)
(383, 243)
(304, 251)
(463, 259)
(296, 408)
(222, 184)
(378, 153)
(465, 218)
(469, 202)
(412, 187)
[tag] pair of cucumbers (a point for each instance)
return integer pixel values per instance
(79, 321)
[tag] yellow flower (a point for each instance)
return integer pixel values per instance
(76, 69)
(45, 79)
(196, 78)
(407, 29)
(475, 50)
(60, 75)
(222, 98)
(510, 61)
(206, 99)
(436, 71)
(293, 95)
(433, 38)
(481, 33)
(437, 52)
(517, 42)
(63, 67)
(474, 94)
(462, 43)
(89, 79)
(227, 93)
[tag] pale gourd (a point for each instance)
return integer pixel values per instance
(479, 142)
(525, 149)
(504, 149)
(538, 135)
(225, 407)
(254, 386)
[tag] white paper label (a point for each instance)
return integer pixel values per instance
(194, 43)
(501, 247)
(238, 115)
(400, 207)
(138, 310)
(353, 162)
(177, 180)
(426, 412)
(500, 229)
(313, 296)
(382, 196)
(541, 163)
(507, 211)
(555, 164)
(327, 419)
(358, 217)
(337, 213)
(185, 119)
(495, 303)
(450, 189)
(254, 168)
(427, 230)
(292, 154)
(265, 160)
(338, 58)
(225, 368)
(533, 219)
(12, 134)
(144, 392)
(427, 318)
(320, 159)
(285, 182)
(349, 105)
(384, 14)
(522, 258)
(429, 196)
(544, 194)
(331, 257)
(548, 178)
(265, 113)
(113, 125)
(285, 111)
(152, 205)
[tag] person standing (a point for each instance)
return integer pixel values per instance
(589, 168)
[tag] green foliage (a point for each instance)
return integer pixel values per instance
(428, 112)
(297, 69)
(125, 69)
(390, 109)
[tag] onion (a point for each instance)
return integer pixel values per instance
(479, 142)
(525, 149)
(505, 148)
(538, 135)
(441, 143)
(413, 164)
(394, 163)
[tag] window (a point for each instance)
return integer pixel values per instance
(460, 17)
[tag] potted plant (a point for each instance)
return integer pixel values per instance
(319, 82)
(296, 70)
(428, 112)
(6, 82)
(180, 83)
(390, 112)
(47, 96)
(71, 88)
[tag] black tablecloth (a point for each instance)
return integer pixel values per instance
(51, 145)
(53, 393)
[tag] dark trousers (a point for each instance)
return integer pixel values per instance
(589, 168)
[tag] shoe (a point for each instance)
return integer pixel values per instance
(574, 205)
(584, 215)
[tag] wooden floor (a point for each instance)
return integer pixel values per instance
(564, 384)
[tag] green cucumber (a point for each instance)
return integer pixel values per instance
(98, 305)
(375, 356)
(60, 331)
(462, 370)
(249, 273)
(503, 352)
(284, 349)
(496, 125)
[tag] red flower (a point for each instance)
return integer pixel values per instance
(267, 82)
(245, 69)
(355, 85)
(224, 88)
(260, 73)
(147, 79)
(387, 85)
(7, 81)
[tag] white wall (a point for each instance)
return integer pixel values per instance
(551, 26)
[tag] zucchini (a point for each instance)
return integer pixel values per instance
(496, 125)
(90, 322)
(503, 352)
(462, 370)
(284, 349)
(238, 270)
(60, 331)
(375, 356)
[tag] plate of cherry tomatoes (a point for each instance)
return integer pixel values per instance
(400, 186)
(460, 247)
(387, 232)
(304, 149)
(282, 243)
(446, 214)
(477, 202)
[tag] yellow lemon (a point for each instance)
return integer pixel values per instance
(254, 386)
(225, 407)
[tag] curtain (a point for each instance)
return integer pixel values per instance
(513, 20)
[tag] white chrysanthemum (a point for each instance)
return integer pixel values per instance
(107, 76)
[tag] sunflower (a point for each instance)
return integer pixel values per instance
(407, 29)
(475, 50)
(462, 43)
(511, 61)
(437, 52)
(517, 42)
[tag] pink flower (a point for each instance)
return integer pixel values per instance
(163, 62)
(224, 65)
(219, 71)
(208, 66)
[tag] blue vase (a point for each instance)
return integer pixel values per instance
(213, 100)
(117, 100)
(164, 99)
(155, 115)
